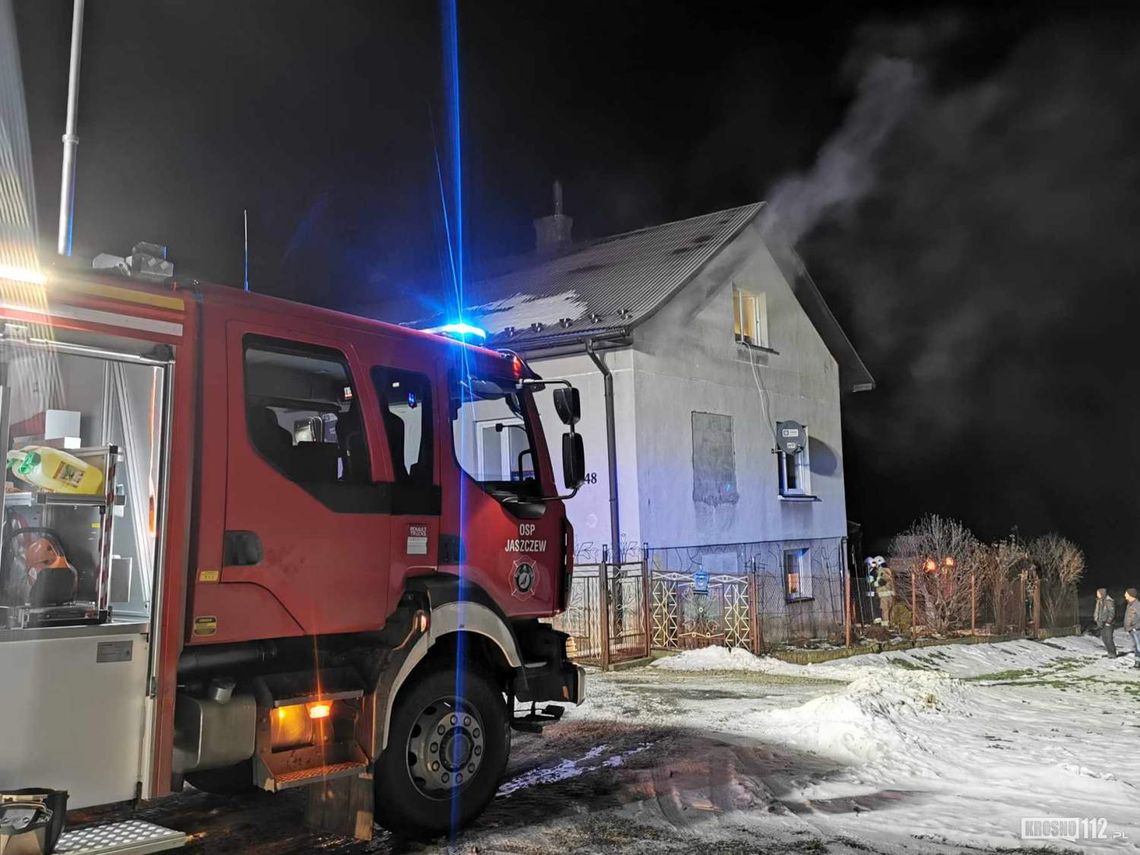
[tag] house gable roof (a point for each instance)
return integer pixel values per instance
(600, 287)
(603, 288)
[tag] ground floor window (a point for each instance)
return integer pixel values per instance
(797, 574)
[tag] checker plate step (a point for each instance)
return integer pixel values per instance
(130, 837)
(308, 776)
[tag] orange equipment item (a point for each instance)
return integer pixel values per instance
(53, 580)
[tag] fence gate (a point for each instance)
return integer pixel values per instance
(607, 615)
(688, 613)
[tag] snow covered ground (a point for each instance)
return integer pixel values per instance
(950, 746)
(940, 749)
(944, 749)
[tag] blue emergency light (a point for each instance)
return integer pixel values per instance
(459, 330)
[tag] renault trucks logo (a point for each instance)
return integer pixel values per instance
(523, 579)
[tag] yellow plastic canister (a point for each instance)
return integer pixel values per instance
(54, 470)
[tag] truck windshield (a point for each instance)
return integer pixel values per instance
(493, 435)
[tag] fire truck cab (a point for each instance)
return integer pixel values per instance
(249, 543)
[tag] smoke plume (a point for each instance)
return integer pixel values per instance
(844, 171)
(976, 232)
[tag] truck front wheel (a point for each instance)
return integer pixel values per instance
(448, 745)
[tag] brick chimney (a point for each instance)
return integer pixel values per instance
(552, 232)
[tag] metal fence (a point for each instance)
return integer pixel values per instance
(943, 601)
(753, 595)
(719, 610)
(764, 595)
(607, 616)
(738, 595)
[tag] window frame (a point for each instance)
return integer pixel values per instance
(758, 301)
(506, 463)
(802, 557)
(383, 374)
(802, 461)
(531, 422)
(273, 344)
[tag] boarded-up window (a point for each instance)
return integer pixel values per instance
(714, 462)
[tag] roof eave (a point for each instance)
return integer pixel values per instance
(567, 344)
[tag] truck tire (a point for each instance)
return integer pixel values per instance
(445, 755)
(227, 781)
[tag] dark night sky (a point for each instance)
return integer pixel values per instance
(985, 263)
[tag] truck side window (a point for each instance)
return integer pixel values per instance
(302, 414)
(405, 410)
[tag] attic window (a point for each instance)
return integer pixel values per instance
(750, 317)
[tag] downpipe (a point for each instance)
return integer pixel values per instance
(611, 448)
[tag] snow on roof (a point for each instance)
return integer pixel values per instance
(604, 287)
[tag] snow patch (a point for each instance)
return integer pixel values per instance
(712, 659)
(869, 719)
(567, 769)
(739, 659)
(522, 310)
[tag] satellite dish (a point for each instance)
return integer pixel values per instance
(790, 437)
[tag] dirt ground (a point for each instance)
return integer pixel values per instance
(590, 785)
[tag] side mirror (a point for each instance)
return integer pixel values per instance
(568, 405)
(573, 460)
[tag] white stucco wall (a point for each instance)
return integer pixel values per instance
(686, 359)
(589, 510)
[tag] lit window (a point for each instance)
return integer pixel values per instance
(750, 317)
(797, 574)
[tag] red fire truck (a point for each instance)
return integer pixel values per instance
(250, 543)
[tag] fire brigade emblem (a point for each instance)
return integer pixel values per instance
(523, 580)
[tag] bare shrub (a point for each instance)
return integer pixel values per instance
(936, 557)
(1000, 599)
(1060, 565)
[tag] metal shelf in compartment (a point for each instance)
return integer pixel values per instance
(27, 499)
(107, 458)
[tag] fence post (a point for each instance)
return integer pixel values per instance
(1037, 607)
(1020, 603)
(913, 605)
(754, 611)
(847, 616)
(646, 603)
(604, 606)
(973, 605)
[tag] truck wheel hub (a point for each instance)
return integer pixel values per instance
(445, 747)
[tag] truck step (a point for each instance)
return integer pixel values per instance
(131, 837)
(301, 777)
(536, 720)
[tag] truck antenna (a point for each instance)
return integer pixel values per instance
(245, 248)
(70, 139)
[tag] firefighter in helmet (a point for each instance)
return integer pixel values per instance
(881, 580)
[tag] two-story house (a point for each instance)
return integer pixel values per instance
(711, 372)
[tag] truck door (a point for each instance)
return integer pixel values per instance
(408, 413)
(307, 535)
